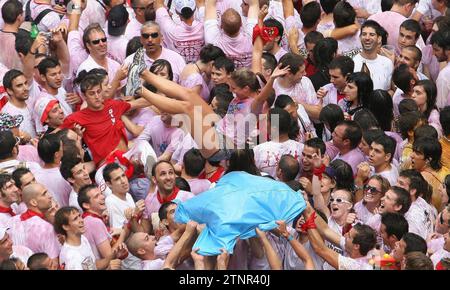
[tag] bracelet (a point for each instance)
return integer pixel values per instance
(289, 238)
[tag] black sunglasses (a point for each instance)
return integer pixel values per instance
(371, 189)
(97, 41)
(152, 35)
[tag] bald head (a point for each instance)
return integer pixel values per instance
(134, 243)
(142, 245)
(288, 167)
(231, 22)
(31, 191)
(37, 197)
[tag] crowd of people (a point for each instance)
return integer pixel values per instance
(114, 112)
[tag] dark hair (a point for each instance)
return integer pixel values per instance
(386, 5)
(395, 223)
(431, 91)
(418, 182)
(243, 160)
(425, 131)
(313, 37)
(90, 81)
(332, 115)
(418, 261)
(328, 5)
(352, 132)
(366, 119)
(48, 145)
(431, 150)
(343, 14)
(158, 163)
(11, 10)
(407, 122)
(403, 199)
(443, 22)
(186, 13)
(4, 178)
(108, 169)
(193, 162)
(17, 175)
(66, 167)
(344, 175)
(244, 77)
(414, 243)
(182, 183)
(210, 53)
(62, 219)
(9, 264)
(370, 135)
(47, 63)
(87, 32)
(388, 143)
(412, 25)
(295, 186)
(310, 14)
(442, 39)
(223, 96)
(23, 42)
(294, 61)
(285, 120)
(444, 119)
(344, 63)
(372, 24)
(272, 22)
(402, 77)
(133, 45)
(159, 65)
(407, 105)
(365, 237)
(82, 194)
(7, 144)
(417, 52)
(364, 84)
(317, 144)
(289, 166)
(324, 51)
(379, 102)
(35, 261)
(9, 77)
(270, 61)
(447, 184)
(225, 63)
(162, 212)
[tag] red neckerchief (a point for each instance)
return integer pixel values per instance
(7, 210)
(29, 214)
(215, 177)
(123, 160)
(86, 214)
(171, 197)
(340, 96)
(266, 33)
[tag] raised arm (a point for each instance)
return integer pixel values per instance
(272, 257)
(343, 32)
(74, 15)
(253, 9)
(62, 51)
(158, 4)
(258, 44)
(288, 8)
(210, 10)
(174, 257)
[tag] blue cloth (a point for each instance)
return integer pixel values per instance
(238, 204)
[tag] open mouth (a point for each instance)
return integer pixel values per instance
(334, 208)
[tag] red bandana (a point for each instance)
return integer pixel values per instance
(29, 214)
(340, 96)
(171, 197)
(7, 210)
(123, 160)
(267, 33)
(215, 177)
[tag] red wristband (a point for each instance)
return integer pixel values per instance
(319, 171)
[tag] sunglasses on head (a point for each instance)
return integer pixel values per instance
(338, 200)
(152, 35)
(97, 41)
(371, 189)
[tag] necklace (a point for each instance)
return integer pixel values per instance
(199, 70)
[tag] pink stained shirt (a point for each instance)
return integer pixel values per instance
(78, 53)
(279, 54)
(89, 63)
(187, 40)
(269, 153)
(142, 117)
(152, 203)
(133, 29)
(175, 59)
(194, 80)
(199, 185)
(161, 137)
(93, 13)
(362, 213)
(36, 234)
(52, 179)
(96, 233)
(239, 48)
(291, 23)
(29, 153)
(302, 91)
(421, 217)
(117, 47)
(50, 21)
(9, 56)
(443, 87)
(353, 158)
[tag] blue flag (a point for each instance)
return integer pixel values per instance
(238, 204)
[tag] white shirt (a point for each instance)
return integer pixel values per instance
(73, 200)
(77, 257)
(380, 69)
(347, 263)
(27, 124)
(391, 175)
(90, 63)
(421, 217)
(443, 87)
(116, 209)
(439, 255)
(156, 264)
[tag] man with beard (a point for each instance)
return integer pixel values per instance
(273, 46)
(368, 60)
(381, 155)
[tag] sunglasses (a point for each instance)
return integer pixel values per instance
(152, 35)
(339, 200)
(371, 189)
(441, 219)
(97, 41)
(17, 141)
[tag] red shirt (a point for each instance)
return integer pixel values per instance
(104, 128)
(310, 69)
